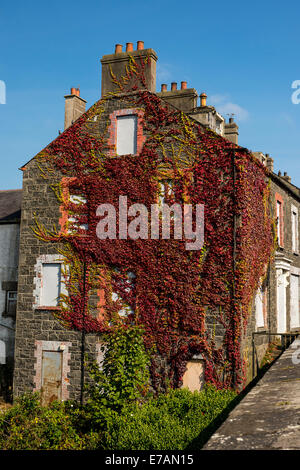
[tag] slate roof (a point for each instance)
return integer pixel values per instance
(10, 205)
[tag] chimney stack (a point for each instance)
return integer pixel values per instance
(231, 131)
(74, 107)
(287, 177)
(184, 99)
(117, 63)
(269, 162)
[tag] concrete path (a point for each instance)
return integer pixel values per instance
(268, 417)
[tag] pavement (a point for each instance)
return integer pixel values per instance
(268, 417)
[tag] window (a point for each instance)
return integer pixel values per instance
(165, 190)
(51, 284)
(50, 281)
(126, 135)
(73, 224)
(128, 285)
(294, 301)
(260, 300)
(279, 219)
(9, 289)
(294, 216)
(2, 352)
(126, 132)
(218, 127)
(11, 303)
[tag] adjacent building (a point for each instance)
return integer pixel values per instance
(10, 215)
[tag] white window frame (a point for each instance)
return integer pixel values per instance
(259, 308)
(72, 219)
(279, 221)
(295, 229)
(38, 280)
(294, 303)
(124, 132)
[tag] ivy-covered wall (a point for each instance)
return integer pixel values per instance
(189, 302)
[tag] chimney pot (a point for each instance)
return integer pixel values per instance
(164, 87)
(73, 91)
(129, 47)
(231, 120)
(140, 45)
(173, 86)
(183, 85)
(118, 48)
(203, 97)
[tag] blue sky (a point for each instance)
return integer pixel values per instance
(245, 56)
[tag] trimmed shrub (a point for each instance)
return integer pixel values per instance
(173, 421)
(28, 425)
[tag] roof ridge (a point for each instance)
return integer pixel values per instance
(9, 190)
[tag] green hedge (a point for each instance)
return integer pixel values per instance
(28, 425)
(174, 421)
(177, 420)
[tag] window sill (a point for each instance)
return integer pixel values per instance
(44, 307)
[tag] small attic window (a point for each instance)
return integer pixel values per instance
(127, 135)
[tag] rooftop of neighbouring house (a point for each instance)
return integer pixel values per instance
(10, 204)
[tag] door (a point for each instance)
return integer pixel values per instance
(51, 376)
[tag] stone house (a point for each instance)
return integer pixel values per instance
(199, 307)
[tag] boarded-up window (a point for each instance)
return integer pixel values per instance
(51, 284)
(51, 376)
(126, 135)
(295, 316)
(193, 378)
